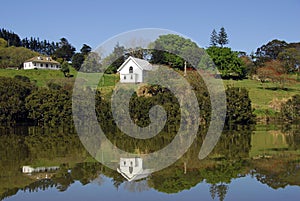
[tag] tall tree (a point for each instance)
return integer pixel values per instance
(115, 59)
(222, 37)
(11, 38)
(85, 49)
(65, 50)
(77, 60)
(214, 39)
(291, 59)
(269, 51)
(171, 49)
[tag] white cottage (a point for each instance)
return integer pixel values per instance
(134, 70)
(41, 62)
(132, 169)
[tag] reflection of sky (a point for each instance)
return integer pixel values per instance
(244, 189)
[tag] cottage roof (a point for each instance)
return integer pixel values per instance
(143, 64)
(42, 59)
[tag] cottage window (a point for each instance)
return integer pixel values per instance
(34, 64)
(47, 65)
(130, 69)
(41, 65)
(124, 77)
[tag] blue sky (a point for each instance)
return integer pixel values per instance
(249, 24)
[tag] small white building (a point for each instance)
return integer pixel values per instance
(132, 169)
(41, 62)
(134, 70)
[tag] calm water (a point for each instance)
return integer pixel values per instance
(258, 164)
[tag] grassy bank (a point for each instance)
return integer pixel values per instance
(41, 77)
(261, 94)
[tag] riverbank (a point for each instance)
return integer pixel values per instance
(266, 98)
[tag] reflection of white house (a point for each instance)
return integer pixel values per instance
(134, 70)
(41, 62)
(132, 169)
(29, 169)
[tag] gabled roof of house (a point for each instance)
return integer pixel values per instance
(140, 175)
(141, 63)
(42, 59)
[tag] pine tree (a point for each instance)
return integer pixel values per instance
(222, 37)
(214, 38)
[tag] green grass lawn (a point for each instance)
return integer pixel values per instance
(41, 77)
(262, 94)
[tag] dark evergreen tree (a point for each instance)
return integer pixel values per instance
(222, 37)
(65, 50)
(85, 49)
(214, 39)
(11, 38)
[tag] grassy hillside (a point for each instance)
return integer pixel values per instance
(41, 77)
(261, 94)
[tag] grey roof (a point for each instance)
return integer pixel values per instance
(143, 64)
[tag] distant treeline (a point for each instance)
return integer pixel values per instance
(35, 44)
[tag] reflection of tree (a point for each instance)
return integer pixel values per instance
(218, 189)
(137, 186)
(292, 136)
(173, 180)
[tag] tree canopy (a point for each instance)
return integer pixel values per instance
(227, 62)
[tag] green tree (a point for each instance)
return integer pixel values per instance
(65, 69)
(290, 111)
(115, 59)
(222, 37)
(173, 50)
(13, 92)
(65, 50)
(92, 63)
(269, 51)
(50, 107)
(227, 62)
(77, 60)
(214, 38)
(85, 49)
(239, 108)
(11, 38)
(291, 59)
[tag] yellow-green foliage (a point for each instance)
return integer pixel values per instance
(14, 56)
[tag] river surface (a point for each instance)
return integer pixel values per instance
(261, 163)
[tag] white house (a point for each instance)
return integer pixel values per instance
(132, 169)
(134, 70)
(41, 62)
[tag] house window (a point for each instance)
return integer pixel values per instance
(130, 69)
(124, 77)
(46, 65)
(51, 65)
(41, 65)
(34, 64)
(131, 77)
